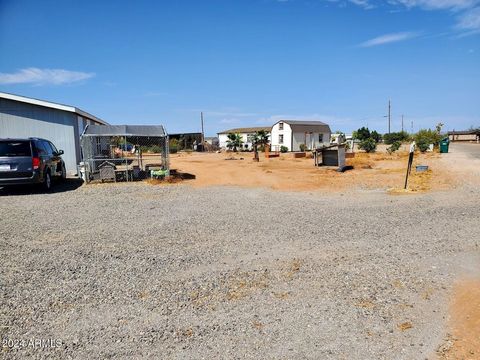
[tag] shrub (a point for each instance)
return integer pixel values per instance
(425, 137)
(302, 147)
(283, 149)
(395, 136)
(155, 149)
(173, 149)
(423, 145)
(369, 145)
(394, 147)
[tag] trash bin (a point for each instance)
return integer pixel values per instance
(444, 145)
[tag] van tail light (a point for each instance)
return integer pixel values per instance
(35, 163)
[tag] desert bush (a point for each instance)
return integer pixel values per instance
(395, 137)
(155, 149)
(394, 147)
(423, 145)
(425, 137)
(283, 149)
(369, 145)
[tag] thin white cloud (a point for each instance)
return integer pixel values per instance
(36, 76)
(366, 4)
(389, 38)
(469, 20)
(437, 4)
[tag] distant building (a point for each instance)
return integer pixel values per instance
(23, 117)
(294, 133)
(246, 134)
(212, 140)
(468, 135)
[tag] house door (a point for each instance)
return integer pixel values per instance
(309, 141)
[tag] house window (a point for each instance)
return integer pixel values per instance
(320, 138)
(280, 139)
(98, 143)
(280, 126)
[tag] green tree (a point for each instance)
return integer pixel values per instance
(395, 136)
(261, 138)
(438, 128)
(369, 145)
(362, 134)
(234, 141)
(394, 147)
(376, 136)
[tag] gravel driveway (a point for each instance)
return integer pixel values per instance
(134, 270)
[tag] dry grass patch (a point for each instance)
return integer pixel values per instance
(405, 326)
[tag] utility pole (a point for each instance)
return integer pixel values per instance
(402, 122)
(203, 134)
(389, 113)
(412, 126)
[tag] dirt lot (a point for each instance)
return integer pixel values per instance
(371, 171)
(206, 272)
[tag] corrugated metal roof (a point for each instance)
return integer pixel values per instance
(246, 130)
(125, 130)
(51, 105)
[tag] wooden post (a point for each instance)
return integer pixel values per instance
(410, 161)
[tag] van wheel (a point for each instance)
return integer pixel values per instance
(47, 181)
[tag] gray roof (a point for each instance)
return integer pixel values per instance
(51, 105)
(306, 125)
(246, 130)
(125, 130)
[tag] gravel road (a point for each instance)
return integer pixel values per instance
(470, 149)
(134, 270)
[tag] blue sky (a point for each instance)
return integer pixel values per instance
(248, 62)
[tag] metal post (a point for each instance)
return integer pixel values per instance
(126, 160)
(203, 134)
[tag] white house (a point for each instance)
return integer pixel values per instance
(246, 134)
(293, 133)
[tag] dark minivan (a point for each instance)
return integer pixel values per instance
(30, 161)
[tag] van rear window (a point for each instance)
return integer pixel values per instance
(15, 148)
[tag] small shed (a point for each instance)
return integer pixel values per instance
(107, 171)
(132, 150)
(333, 155)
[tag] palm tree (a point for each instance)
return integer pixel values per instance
(259, 138)
(234, 141)
(262, 138)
